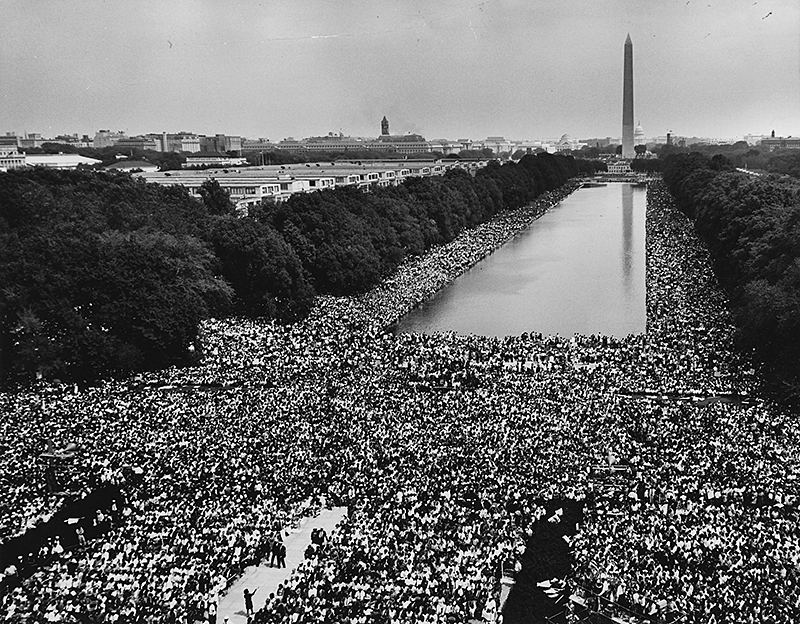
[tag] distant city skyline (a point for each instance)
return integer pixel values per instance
(107, 138)
(520, 69)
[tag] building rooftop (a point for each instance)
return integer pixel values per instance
(127, 165)
(59, 161)
(297, 171)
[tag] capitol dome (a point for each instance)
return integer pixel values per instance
(638, 135)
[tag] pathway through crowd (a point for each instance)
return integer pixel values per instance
(264, 579)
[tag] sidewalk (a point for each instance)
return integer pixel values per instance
(265, 579)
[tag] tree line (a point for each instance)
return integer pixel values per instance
(752, 227)
(740, 154)
(745, 156)
(105, 275)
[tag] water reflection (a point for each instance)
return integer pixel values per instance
(627, 232)
(578, 269)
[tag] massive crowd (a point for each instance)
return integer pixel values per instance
(440, 485)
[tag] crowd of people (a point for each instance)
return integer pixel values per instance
(707, 528)
(441, 487)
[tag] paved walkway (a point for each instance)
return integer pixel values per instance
(265, 579)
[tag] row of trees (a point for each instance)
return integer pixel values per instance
(103, 274)
(783, 162)
(348, 240)
(741, 154)
(752, 227)
(647, 165)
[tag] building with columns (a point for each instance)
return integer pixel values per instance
(10, 158)
(638, 135)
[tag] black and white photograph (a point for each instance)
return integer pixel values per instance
(400, 312)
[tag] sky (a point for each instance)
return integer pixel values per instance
(522, 69)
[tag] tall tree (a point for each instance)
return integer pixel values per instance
(216, 198)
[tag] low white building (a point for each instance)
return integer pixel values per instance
(213, 161)
(754, 139)
(250, 185)
(59, 161)
(619, 167)
(245, 186)
(10, 158)
(133, 165)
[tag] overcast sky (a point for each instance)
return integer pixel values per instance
(523, 69)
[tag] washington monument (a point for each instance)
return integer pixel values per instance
(627, 102)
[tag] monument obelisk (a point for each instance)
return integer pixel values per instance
(627, 102)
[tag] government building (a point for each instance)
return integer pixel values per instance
(248, 186)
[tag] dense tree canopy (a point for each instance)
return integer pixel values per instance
(786, 162)
(646, 165)
(740, 154)
(104, 274)
(262, 268)
(348, 240)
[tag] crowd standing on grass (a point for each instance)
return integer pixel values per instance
(438, 445)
